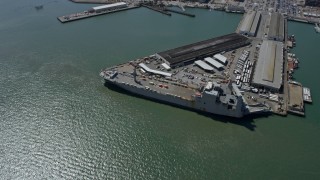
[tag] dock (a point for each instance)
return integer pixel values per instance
(156, 9)
(87, 14)
(295, 101)
(180, 12)
(302, 20)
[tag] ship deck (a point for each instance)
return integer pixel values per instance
(185, 81)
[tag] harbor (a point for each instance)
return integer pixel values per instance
(60, 122)
(268, 32)
(258, 66)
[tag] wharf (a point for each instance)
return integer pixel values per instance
(180, 12)
(86, 14)
(94, 1)
(302, 20)
(295, 101)
(156, 9)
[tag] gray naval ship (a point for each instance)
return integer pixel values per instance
(179, 77)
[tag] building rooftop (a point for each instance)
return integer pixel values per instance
(268, 71)
(276, 28)
(109, 6)
(247, 21)
(145, 67)
(213, 62)
(250, 23)
(203, 48)
(203, 65)
(221, 58)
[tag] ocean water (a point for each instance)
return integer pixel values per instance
(58, 121)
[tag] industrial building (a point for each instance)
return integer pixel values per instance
(269, 67)
(146, 68)
(189, 53)
(214, 63)
(276, 27)
(250, 23)
(203, 65)
(220, 58)
(99, 9)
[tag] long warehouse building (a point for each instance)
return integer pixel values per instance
(276, 28)
(189, 53)
(250, 23)
(106, 7)
(269, 67)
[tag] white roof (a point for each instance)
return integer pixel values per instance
(213, 62)
(109, 6)
(154, 71)
(165, 66)
(203, 65)
(221, 58)
(268, 70)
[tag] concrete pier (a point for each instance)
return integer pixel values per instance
(180, 12)
(157, 9)
(86, 14)
(295, 101)
(302, 20)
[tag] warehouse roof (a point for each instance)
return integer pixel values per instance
(250, 22)
(213, 62)
(247, 21)
(109, 6)
(255, 23)
(204, 48)
(268, 71)
(203, 65)
(276, 28)
(220, 58)
(145, 67)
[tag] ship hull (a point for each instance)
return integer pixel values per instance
(196, 105)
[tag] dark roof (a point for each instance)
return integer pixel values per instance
(204, 48)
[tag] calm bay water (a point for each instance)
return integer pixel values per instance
(58, 121)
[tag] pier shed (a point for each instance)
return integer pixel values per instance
(269, 67)
(250, 23)
(189, 53)
(276, 27)
(221, 58)
(203, 65)
(214, 63)
(146, 68)
(99, 9)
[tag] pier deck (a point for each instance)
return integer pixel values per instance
(86, 14)
(180, 12)
(157, 10)
(295, 101)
